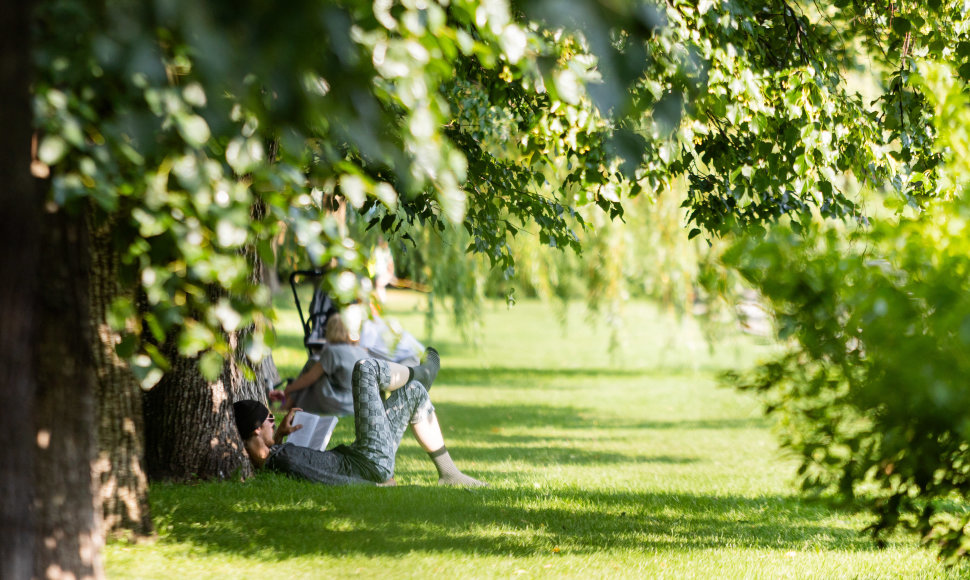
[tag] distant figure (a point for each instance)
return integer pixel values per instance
(324, 386)
(383, 269)
(389, 341)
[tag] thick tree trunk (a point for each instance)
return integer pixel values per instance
(119, 471)
(20, 223)
(69, 537)
(190, 431)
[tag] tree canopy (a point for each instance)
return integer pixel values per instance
(205, 126)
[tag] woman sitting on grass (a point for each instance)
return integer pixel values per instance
(378, 425)
(324, 385)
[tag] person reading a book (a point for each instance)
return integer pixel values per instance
(379, 425)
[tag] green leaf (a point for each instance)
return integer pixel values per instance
(901, 25)
(126, 347)
(52, 149)
(965, 71)
(195, 338)
(210, 365)
(387, 222)
(120, 312)
(244, 155)
(193, 129)
(146, 372)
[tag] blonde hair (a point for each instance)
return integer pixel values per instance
(337, 332)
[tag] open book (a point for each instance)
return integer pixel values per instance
(316, 430)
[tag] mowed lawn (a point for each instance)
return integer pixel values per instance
(634, 464)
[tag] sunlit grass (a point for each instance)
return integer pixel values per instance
(601, 466)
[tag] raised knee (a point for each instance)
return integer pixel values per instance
(367, 365)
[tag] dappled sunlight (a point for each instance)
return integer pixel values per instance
(621, 469)
(519, 522)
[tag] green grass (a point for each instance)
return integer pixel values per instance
(630, 466)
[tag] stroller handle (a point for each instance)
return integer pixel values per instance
(294, 281)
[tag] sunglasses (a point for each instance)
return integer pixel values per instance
(271, 418)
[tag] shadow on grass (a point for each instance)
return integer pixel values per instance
(495, 416)
(701, 424)
(294, 519)
(469, 376)
(541, 436)
(538, 455)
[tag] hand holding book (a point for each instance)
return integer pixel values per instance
(286, 427)
(311, 430)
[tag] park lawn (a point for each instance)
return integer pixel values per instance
(630, 465)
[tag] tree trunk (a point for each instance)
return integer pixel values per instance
(190, 428)
(119, 471)
(20, 223)
(69, 537)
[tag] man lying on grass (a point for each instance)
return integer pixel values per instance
(378, 425)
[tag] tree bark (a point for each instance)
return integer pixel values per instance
(119, 471)
(20, 223)
(69, 537)
(190, 430)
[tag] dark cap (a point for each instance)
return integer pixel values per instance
(249, 416)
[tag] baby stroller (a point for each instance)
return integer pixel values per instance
(322, 307)
(383, 339)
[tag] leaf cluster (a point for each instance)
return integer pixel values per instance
(872, 391)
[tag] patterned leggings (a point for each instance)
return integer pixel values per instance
(378, 424)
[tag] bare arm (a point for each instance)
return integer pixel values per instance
(303, 381)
